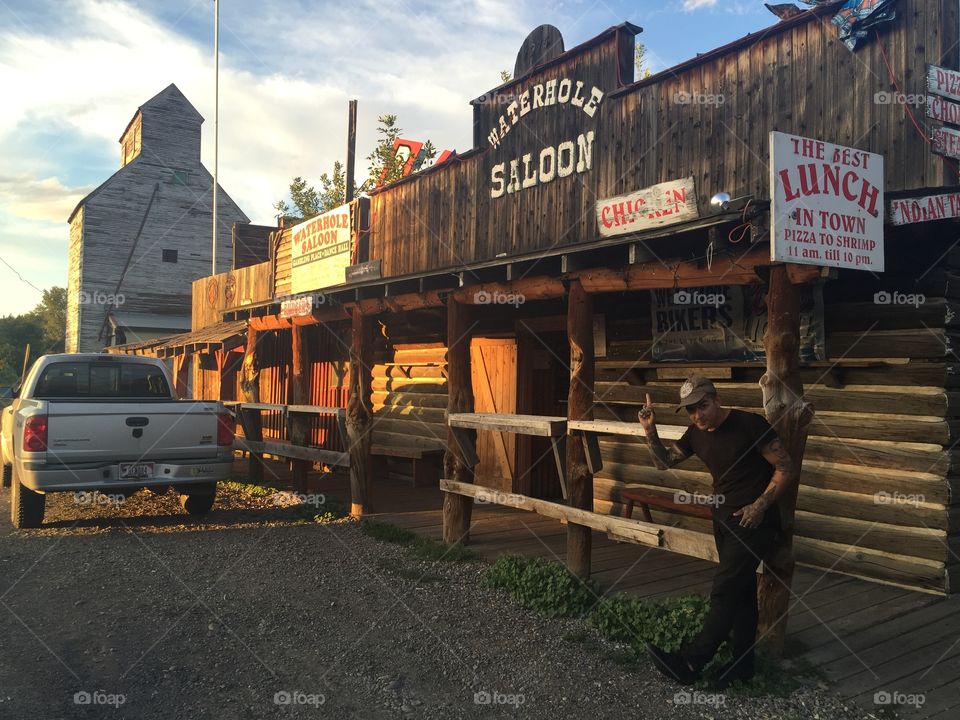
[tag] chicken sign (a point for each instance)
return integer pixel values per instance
(827, 204)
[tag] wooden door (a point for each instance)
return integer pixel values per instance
(493, 364)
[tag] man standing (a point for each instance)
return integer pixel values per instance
(751, 471)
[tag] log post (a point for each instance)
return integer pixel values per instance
(457, 509)
(579, 407)
(299, 423)
(790, 416)
(181, 375)
(250, 391)
(359, 416)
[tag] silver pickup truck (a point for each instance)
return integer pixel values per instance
(111, 423)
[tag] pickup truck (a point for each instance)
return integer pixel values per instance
(110, 423)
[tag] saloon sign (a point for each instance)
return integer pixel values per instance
(827, 204)
(320, 251)
(545, 164)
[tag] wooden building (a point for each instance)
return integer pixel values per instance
(527, 295)
(140, 238)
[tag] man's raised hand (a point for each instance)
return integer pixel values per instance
(648, 420)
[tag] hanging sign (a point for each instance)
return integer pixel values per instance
(827, 204)
(946, 142)
(943, 82)
(663, 204)
(943, 110)
(320, 251)
(923, 209)
(726, 323)
(297, 307)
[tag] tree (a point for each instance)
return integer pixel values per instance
(640, 61)
(505, 76)
(16, 332)
(384, 161)
(51, 313)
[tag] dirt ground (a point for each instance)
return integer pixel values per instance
(136, 610)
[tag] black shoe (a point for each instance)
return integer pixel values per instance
(730, 673)
(672, 665)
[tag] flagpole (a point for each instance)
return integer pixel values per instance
(216, 120)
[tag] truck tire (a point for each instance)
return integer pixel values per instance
(199, 501)
(26, 506)
(7, 474)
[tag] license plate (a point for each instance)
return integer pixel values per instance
(200, 470)
(137, 470)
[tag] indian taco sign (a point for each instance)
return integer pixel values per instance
(827, 204)
(320, 251)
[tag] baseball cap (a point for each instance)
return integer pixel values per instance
(693, 390)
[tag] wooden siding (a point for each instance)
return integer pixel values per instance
(251, 244)
(74, 275)
(214, 294)
(797, 79)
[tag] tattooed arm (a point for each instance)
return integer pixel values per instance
(783, 477)
(664, 458)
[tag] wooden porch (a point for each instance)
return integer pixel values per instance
(863, 636)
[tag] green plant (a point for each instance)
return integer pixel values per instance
(422, 547)
(666, 623)
(334, 510)
(546, 587)
(249, 488)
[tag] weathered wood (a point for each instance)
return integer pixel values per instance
(358, 419)
(299, 423)
(790, 416)
(457, 508)
(250, 392)
(579, 408)
(644, 533)
(537, 425)
(289, 450)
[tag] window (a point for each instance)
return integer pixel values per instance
(181, 177)
(102, 380)
(170, 256)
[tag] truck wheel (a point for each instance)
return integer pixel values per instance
(200, 501)
(7, 474)
(26, 506)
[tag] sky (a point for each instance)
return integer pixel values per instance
(74, 72)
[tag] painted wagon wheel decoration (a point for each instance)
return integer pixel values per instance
(213, 291)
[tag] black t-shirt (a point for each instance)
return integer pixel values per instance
(732, 454)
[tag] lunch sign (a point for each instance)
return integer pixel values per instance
(827, 204)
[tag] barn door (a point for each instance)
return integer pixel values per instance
(493, 364)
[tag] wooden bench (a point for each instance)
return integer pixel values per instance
(645, 498)
(427, 462)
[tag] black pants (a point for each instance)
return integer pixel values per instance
(733, 599)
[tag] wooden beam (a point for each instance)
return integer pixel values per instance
(298, 423)
(461, 443)
(250, 392)
(359, 414)
(635, 531)
(298, 452)
(579, 408)
(790, 416)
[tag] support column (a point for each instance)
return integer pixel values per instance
(250, 392)
(457, 509)
(299, 423)
(579, 407)
(181, 375)
(790, 416)
(358, 412)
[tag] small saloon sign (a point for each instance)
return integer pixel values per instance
(320, 251)
(827, 204)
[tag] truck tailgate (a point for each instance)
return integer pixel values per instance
(108, 431)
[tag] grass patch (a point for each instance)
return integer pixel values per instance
(333, 510)
(249, 488)
(545, 587)
(421, 547)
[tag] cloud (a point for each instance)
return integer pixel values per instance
(44, 199)
(692, 5)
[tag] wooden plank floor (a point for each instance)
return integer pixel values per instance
(865, 637)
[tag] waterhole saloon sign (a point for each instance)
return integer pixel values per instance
(540, 165)
(320, 251)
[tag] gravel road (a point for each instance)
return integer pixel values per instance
(138, 611)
